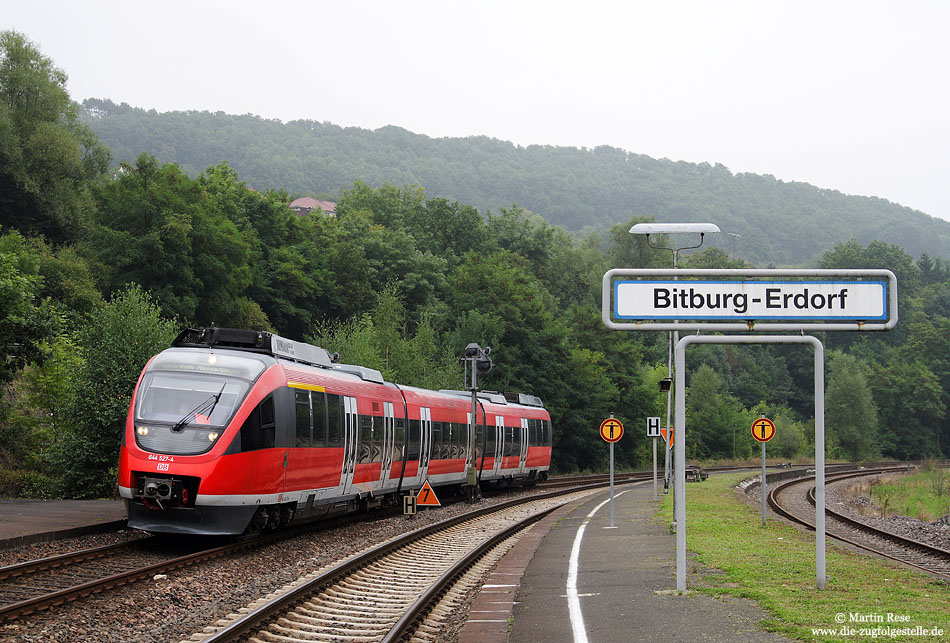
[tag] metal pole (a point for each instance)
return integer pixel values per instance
(680, 491)
(820, 463)
(471, 474)
(611, 479)
(763, 484)
(679, 445)
(674, 340)
(655, 496)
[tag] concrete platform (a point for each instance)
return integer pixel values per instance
(624, 582)
(24, 522)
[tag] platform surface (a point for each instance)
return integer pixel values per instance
(624, 582)
(28, 521)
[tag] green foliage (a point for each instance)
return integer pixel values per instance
(25, 320)
(115, 346)
(923, 495)
(381, 340)
(775, 566)
(850, 412)
(48, 156)
(910, 405)
(581, 190)
(159, 229)
(716, 423)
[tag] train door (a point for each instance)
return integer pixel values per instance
(425, 415)
(389, 423)
(499, 443)
(350, 435)
(524, 445)
(470, 453)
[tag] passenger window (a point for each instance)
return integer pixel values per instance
(334, 421)
(258, 430)
(415, 435)
(366, 450)
(319, 411)
(399, 438)
(302, 407)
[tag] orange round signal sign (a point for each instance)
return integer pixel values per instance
(763, 429)
(611, 430)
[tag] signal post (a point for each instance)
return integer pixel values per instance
(611, 430)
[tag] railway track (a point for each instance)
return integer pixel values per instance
(36, 585)
(39, 584)
(385, 593)
(920, 555)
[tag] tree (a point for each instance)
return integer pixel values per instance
(850, 413)
(48, 157)
(115, 346)
(26, 321)
(159, 229)
(909, 397)
(712, 417)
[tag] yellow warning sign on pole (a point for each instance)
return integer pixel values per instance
(611, 430)
(763, 429)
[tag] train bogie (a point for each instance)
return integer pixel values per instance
(233, 431)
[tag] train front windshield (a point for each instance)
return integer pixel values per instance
(186, 399)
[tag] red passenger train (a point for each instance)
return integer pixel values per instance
(236, 431)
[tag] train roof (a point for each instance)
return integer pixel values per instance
(266, 343)
(255, 341)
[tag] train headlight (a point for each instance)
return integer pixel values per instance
(212, 436)
(212, 359)
(141, 430)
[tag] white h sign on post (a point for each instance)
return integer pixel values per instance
(653, 431)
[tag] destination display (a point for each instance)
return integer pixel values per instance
(755, 300)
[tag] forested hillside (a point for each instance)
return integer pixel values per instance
(580, 190)
(99, 269)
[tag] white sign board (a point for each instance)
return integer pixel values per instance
(653, 427)
(759, 300)
(749, 300)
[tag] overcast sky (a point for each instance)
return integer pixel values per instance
(848, 95)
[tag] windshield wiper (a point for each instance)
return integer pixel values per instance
(192, 415)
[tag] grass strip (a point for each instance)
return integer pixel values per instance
(865, 598)
(924, 494)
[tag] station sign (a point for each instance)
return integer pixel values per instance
(759, 300)
(749, 300)
(653, 427)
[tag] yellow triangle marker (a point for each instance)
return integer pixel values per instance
(426, 497)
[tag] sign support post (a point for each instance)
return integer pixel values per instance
(764, 491)
(737, 300)
(766, 431)
(680, 447)
(611, 484)
(611, 430)
(655, 496)
(653, 431)
(611, 480)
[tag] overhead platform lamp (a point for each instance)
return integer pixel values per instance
(648, 229)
